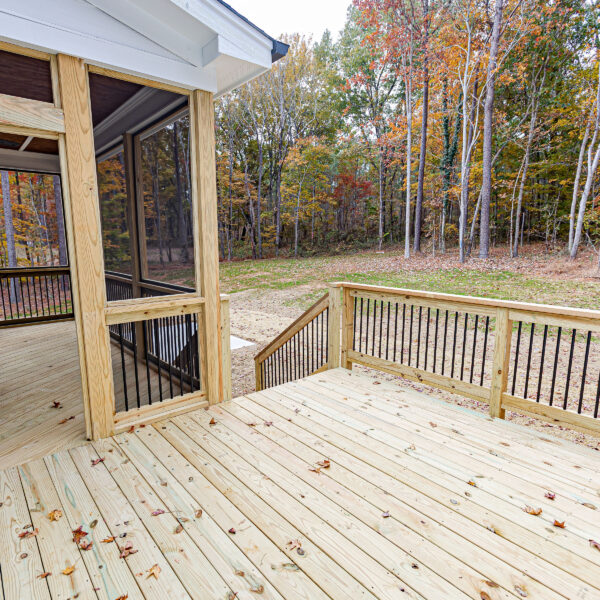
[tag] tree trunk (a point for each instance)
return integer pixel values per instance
(181, 225)
(63, 256)
(408, 169)
(486, 188)
(9, 231)
(259, 199)
(576, 184)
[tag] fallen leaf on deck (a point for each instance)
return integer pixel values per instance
(232, 530)
(533, 511)
(56, 404)
(558, 523)
(108, 540)
(268, 423)
(44, 575)
(492, 584)
(126, 550)
(179, 528)
(157, 512)
(198, 513)
(153, 571)
(385, 515)
(85, 544)
(485, 596)
(257, 589)
(589, 505)
(550, 495)
(123, 597)
(68, 570)
(521, 591)
(65, 420)
(251, 424)
(212, 421)
(377, 383)
(97, 461)
(471, 482)
(131, 429)
(28, 533)
(595, 544)
(315, 469)
(78, 534)
(240, 573)
(324, 463)
(55, 515)
(433, 424)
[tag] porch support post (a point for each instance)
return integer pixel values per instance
(87, 267)
(206, 246)
(500, 365)
(333, 334)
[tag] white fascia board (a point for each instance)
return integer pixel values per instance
(35, 33)
(221, 46)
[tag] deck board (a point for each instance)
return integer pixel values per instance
(247, 516)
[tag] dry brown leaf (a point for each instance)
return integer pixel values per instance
(533, 511)
(55, 515)
(29, 533)
(385, 515)
(595, 544)
(268, 423)
(85, 544)
(68, 570)
(127, 549)
(324, 463)
(251, 424)
(471, 482)
(153, 571)
(212, 421)
(108, 540)
(232, 530)
(124, 597)
(179, 528)
(44, 575)
(78, 534)
(56, 404)
(485, 596)
(558, 523)
(240, 573)
(432, 424)
(158, 511)
(198, 513)
(131, 429)
(550, 495)
(521, 591)
(257, 588)
(97, 461)
(65, 420)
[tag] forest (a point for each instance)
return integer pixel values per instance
(433, 124)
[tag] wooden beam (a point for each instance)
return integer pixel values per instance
(31, 114)
(347, 326)
(142, 309)
(226, 347)
(24, 51)
(206, 246)
(503, 333)
(333, 333)
(87, 266)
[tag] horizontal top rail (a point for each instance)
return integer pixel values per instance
(318, 307)
(141, 309)
(567, 311)
(33, 271)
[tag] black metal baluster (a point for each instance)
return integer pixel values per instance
(454, 343)
(403, 326)
(464, 347)
(28, 292)
(570, 366)
(419, 336)
(435, 343)
(516, 365)
(374, 327)
(585, 364)
(410, 330)
(157, 351)
(485, 341)
(190, 334)
(528, 368)
(556, 353)
(380, 329)
(474, 349)
(135, 366)
(539, 387)
(361, 326)
(395, 328)
(444, 347)
(147, 362)
(387, 335)
(170, 353)
(120, 329)
(353, 325)
(597, 403)
(180, 348)
(427, 336)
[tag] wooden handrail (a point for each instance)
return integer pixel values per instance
(143, 309)
(306, 317)
(33, 271)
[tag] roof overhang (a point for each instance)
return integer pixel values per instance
(195, 44)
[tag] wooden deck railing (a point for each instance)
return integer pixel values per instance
(536, 359)
(34, 295)
(300, 350)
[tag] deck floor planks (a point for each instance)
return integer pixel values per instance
(110, 575)
(414, 411)
(229, 561)
(54, 537)
(252, 547)
(20, 561)
(357, 476)
(502, 477)
(424, 556)
(457, 469)
(122, 519)
(443, 538)
(367, 540)
(419, 490)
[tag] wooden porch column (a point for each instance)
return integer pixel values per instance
(78, 166)
(500, 363)
(206, 242)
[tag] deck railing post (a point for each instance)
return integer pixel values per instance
(333, 334)
(503, 333)
(347, 325)
(226, 347)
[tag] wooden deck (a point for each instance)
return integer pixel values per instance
(331, 487)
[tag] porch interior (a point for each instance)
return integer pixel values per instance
(334, 486)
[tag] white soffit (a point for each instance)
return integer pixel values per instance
(191, 43)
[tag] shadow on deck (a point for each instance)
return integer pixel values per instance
(334, 486)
